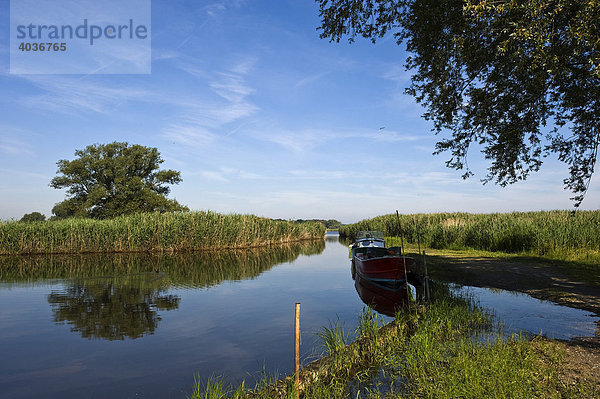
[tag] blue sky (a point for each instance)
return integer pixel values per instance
(260, 116)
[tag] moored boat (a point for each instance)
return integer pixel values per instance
(371, 260)
(367, 239)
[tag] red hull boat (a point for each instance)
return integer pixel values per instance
(382, 268)
(373, 261)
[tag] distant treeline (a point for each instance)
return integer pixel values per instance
(329, 224)
(541, 233)
(180, 231)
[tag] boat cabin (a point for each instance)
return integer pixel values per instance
(369, 239)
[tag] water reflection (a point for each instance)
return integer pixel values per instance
(194, 270)
(118, 296)
(383, 299)
(113, 308)
(332, 236)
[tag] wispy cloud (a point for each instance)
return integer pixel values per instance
(399, 74)
(413, 178)
(214, 9)
(68, 94)
(304, 140)
(390, 135)
(218, 8)
(311, 78)
(214, 115)
(213, 175)
(190, 135)
(24, 174)
(243, 174)
(231, 87)
(295, 141)
(204, 118)
(226, 174)
(322, 174)
(11, 145)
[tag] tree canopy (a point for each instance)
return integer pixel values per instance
(331, 224)
(33, 217)
(107, 180)
(521, 79)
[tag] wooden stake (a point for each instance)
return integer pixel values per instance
(403, 259)
(426, 279)
(401, 234)
(418, 234)
(297, 349)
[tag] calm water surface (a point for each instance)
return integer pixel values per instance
(127, 326)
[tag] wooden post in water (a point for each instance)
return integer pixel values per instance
(297, 349)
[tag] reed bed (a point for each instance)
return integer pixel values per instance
(182, 231)
(539, 233)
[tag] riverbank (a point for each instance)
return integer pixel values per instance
(152, 232)
(561, 235)
(446, 349)
(431, 352)
(567, 283)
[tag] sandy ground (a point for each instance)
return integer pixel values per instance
(543, 281)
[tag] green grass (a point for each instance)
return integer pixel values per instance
(369, 323)
(564, 235)
(155, 232)
(334, 337)
(430, 354)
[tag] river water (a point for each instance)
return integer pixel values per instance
(137, 325)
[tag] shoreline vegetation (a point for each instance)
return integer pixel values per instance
(448, 348)
(558, 235)
(152, 232)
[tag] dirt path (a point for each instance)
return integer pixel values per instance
(540, 280)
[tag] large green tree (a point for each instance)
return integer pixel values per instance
(107, 180)
(33, 217)
(519, 78)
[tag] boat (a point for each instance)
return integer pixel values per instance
(371, 260)
(382, 298)
(367, 239)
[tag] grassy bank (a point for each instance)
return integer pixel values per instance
(427, 353)
(556, 234)
(158, 232)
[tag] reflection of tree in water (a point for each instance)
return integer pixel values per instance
(119, 307)
(112, 308)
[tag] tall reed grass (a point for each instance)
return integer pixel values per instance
(185, 231)
(540, 233)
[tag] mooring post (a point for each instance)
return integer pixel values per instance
(426, 279)
(403, 259)
(297, 349)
